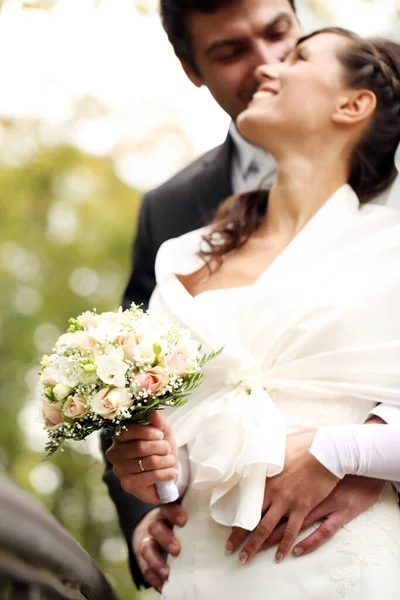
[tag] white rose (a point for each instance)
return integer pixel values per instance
(61, 391)
(150, 329)
(108, 402)
(191, 347)
(144, 352)
(107, 330)
(111, 369)
(65, 339)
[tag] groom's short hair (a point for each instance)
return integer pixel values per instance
(174, 15)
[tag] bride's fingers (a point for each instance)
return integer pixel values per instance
(137, 449)
(261, 532)
(321, 511)
(292, 530)
(274, 538)
(236, 538)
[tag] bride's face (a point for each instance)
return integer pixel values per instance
(296, 97)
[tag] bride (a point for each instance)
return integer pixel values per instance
(301, 286)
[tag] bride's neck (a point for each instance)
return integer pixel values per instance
(302, 186)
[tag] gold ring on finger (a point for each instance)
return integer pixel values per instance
(141, 467)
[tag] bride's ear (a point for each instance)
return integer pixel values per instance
(191, 73)
(357, 106)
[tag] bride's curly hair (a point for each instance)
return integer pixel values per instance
(372, 64)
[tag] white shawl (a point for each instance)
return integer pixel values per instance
(323, 321)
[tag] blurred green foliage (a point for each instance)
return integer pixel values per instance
(66, 230)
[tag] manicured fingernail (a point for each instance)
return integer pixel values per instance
(243, 557)
(181, 521)
(298, 551)
(159, 435)
(279, 557)
(229, 547)
(164, 573)
(173, 549)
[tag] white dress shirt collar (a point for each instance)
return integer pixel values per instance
(252, 167)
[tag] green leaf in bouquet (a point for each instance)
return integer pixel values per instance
(207, 357)
(50, 448)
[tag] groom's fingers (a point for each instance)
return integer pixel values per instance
(325, 532)
(165, 538)
(154, 560)
(148, 575)
(154, 580)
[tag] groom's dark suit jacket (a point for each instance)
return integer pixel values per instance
(184, 203)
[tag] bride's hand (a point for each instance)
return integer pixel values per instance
(292, 494)
(143, 455)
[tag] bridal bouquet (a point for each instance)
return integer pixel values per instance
(111, 369)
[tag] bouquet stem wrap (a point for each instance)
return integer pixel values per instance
(167, 491)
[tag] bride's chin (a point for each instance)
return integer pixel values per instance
(248, 125)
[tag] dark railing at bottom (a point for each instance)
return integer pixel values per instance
(39, 559)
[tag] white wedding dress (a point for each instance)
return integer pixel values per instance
(314, 341)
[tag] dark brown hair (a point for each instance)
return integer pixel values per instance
(174, 16)
(368, 64)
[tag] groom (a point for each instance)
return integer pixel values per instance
(220, 43)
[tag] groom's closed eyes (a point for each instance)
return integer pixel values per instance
(226, 50)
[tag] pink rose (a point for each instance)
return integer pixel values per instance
(83, 341)
(79, 338)
(52, 416)
(87, 319)
(150, 381)
(179, 362)
(108, 402)
(74, 407)
(49, 377)
(128, 344)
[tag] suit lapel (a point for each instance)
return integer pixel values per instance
(213, 184)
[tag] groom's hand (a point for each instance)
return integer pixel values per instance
(351, 497)
(152, 536)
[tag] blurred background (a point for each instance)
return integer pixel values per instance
(94, 109)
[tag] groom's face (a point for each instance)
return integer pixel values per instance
(230, 44)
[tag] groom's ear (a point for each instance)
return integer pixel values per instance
(355, 107)
(191, 73)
